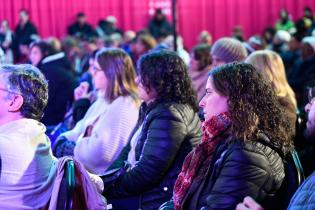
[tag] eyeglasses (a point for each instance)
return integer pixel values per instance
(9, 91)
(95, 69)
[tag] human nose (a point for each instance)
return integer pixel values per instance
(307, 108)
(202, 102)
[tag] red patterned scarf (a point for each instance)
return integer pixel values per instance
(201, 154)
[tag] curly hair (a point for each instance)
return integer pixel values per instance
(252, 104)
(27, 81)
(167, 74)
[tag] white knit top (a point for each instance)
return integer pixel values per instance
(28, 168)
(112, 125)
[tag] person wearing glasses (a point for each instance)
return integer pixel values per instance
(99, 137)
(26, 160)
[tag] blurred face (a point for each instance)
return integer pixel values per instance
(139, 47)
(23, 17)
(216, 61)
(306, 51)
(35, 55)
(283, 14)
(294, 44)
(213, 103)
(193, 64)
(99, 78)
(81, 20)
(4, 26)
(310, 124)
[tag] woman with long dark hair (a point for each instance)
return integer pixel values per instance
(245, 136)
(166, 132)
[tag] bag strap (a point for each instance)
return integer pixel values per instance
(298, 166)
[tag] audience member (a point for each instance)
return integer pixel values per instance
(268, 35)
(205, 38)
(285, 23)
(169, 44)
(243, 133)
(6, 38)
(167, 130)
(27, 165)
(304, 196)
(112, 26)
(199, 67)
(159, 26)
(81, 29)
(237, 33)
(254, 43)
(293, 55)
(303, 74)
(61, 82)
(99, 137)
(270, 65)
(25, 33)
(280, 41)
(144, 43)
(227, 50)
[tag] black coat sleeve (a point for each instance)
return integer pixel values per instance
(243, 173)
(164, 136)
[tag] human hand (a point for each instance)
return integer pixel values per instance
(249, 204)
(81, 91)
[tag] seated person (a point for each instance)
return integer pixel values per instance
(271, 66)
(61, 82)
(245, 133)
(26, 161)
(99, 137)
(304, 196)
(166, 132)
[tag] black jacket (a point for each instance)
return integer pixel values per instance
(239, 169)
(168, 134)
(61, 85)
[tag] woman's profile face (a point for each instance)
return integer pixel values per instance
(213, 103)
(99, 77)
(35, 55)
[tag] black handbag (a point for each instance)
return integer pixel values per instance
(110, 177)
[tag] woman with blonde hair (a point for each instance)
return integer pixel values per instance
(271, 66)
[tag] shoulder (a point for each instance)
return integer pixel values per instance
(125, 103)
(305, 195)
(239, 148)
(255, 154)
(173, 110)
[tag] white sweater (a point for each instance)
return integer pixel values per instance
(28, 168)
(109, 135)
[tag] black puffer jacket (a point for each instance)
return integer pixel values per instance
(168, 134)
(239, 169)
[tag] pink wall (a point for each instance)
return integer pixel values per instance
(217, 16)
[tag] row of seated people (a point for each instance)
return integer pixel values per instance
(159, 154)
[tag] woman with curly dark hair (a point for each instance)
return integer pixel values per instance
(167, 130)
(245, 136)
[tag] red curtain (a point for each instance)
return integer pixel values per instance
(217, 16)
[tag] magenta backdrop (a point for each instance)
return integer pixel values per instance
(217, 16)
